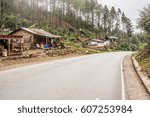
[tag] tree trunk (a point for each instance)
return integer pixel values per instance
(93, 18)
(0, 9)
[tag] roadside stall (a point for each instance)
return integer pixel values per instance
(10, 45)
(39, 39)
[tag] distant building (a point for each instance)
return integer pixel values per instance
(100, 44)
(112, 40)
(95, 44)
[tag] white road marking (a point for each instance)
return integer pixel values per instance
(122, 81)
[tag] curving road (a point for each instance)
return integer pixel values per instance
(85, 77)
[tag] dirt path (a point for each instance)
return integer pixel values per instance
(134, 86)
(10, 64)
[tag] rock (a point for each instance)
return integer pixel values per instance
(87, 52)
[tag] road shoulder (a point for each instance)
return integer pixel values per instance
(144, 77)
(11, 64)
(135, 89)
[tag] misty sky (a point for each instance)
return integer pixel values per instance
(130, 7)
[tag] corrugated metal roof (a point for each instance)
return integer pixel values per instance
(98, 40)
(112, 37)
(40, 32)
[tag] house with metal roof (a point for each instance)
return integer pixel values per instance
(38, 38)
(112, 40)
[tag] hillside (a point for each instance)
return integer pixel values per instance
(72, 19)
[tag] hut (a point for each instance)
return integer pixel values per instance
(38, 38)
(112, 41)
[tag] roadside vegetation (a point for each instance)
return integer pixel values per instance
(75, 19)
(72, 19)
(143, 55)
(145, 64)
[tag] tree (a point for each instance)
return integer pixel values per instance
(123, 20)
(99, 11)
(93, 4)
(129, 27)
(126, 25)
(144, 23)
(105, 18)
(112, 19)
(118, 20)
(1, 6)
(144, 20)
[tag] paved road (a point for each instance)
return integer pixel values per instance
(86, 77)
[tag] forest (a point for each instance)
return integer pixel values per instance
(70, 18)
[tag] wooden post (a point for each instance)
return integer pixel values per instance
(8, 47)
(32, 41)
(46, 40)
(46, 44)
(21, 45)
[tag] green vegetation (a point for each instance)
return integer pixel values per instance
(70, 18)
(145, 64)
(143, 55)
(144, 23)
(75, 19)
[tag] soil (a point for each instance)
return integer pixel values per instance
(10, 64)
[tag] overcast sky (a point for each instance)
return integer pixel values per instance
(130, 7)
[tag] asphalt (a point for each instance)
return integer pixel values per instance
(88, 77)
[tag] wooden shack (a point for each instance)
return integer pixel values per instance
(37, 38)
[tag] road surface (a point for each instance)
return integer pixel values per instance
(87, 77)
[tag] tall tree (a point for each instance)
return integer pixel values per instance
(118, 21)
(93, 4)
(105, 18)
(129, 27)
(1, 6)
(123, 20)
(113, 17)
(126, 25)
(99, 11)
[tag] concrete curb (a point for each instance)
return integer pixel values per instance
(144, 78)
